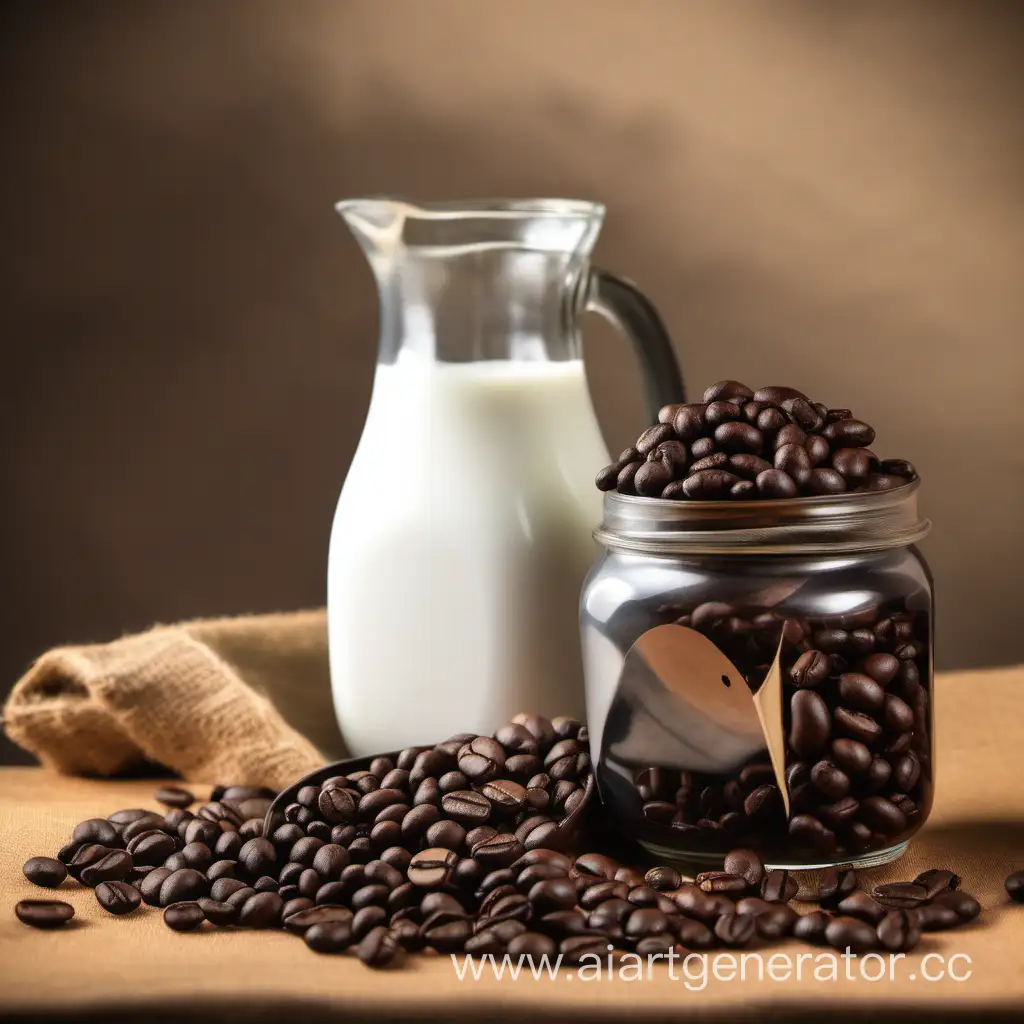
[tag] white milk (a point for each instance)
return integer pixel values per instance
(460, 543)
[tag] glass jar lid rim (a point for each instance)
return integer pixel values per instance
(872, 520)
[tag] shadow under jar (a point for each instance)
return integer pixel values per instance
(740, 656)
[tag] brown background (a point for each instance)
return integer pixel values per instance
(819, 194)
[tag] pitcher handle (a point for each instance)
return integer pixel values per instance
(623, 304)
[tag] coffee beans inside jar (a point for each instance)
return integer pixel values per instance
(738, 444)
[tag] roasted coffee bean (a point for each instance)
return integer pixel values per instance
(810, 723)
(830, 780)
(779, 886)
(240, 897)
(378, 948)
(466, 807)
(795, 462)
(935, 917)
(862, 905)
(553, 894)
(881, 667)
(185, 916)
(1015, 886)
(826, 481)
(263, 910)
(198, 830)
(266, 883)
(44, 913)
(317, 915)
(174, 796)
(900, 895)
(258, 857)
(444, 833)
(810, 669)
(338, 806)
(663, 879)
(113, 866)
(857, 725)
(861, 691)
(152, 847)
(45, 871)
(499, 851)
(329, 861)
(774, 484)
(776, 922)
(507, 795)
(652, 478)
(128, 815)
(217, 913)
(835, 885)
(431, 868)
(747, 864)
(937, 880)
(851, 933)
(484, 757)
(646, 921)
(196, 855)
(883, 815)
(811, 927)
(851, 755)
(118, 897)
(899, 931)
(149, 887)
(966, 907)
(183, 886)
(736, 930)
(98, 831)
(228, 846)
(654, 436)
(722, 882)
(849, 433)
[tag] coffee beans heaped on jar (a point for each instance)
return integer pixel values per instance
(858, 750)
(490, 888)
(740, 444)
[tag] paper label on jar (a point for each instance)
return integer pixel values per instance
(692, 707)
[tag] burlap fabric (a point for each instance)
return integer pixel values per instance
(243, 700)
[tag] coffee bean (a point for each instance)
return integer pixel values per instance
(883, 815)
(848, 433)
(217, 913)
(851, 755)
(431, 868)
(810, 669)
(899, 931)
(709, 484)
(881, 667)
(860, 691)
(646, 921)
(114, 865)
(174, 796)
(499, 851)
(776, 921)
(263, 910)
(1015, 886)
(651, 479)
(152, 847)
(774, 484)
(736, 930)
(45, 871)
(258, 857)
(183, 886)
(186, 916)
(118, 897)
(663, 879)
(825, 481)
(937, 880)
(747, 864)
(44, 913)
(860, 904)
(966, 907)
(98, 831)
(736, 437)
(851, 933)
(338, 806)
(900, 895)
(857, 725)
(794, 460)
(811, 927)
(721, 882)
(818, 451)
(810, 723)
(897, 715)
(779, 886)
(485, 757)
(466, 807)
(830, 780)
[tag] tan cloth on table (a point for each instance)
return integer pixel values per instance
(243, 700)
(136, 968)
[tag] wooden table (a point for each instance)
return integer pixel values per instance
(134, 968)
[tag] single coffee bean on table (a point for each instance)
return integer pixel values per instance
(174, 796)
(44, 913)
(47, 872)
(184, 917)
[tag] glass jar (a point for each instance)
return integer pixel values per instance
(759, 674)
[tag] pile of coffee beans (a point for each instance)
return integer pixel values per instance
(451, 881)
(858, 738)
(740, 444)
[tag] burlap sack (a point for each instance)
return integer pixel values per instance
(243, 700)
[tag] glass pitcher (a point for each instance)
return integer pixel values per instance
(463, 531)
